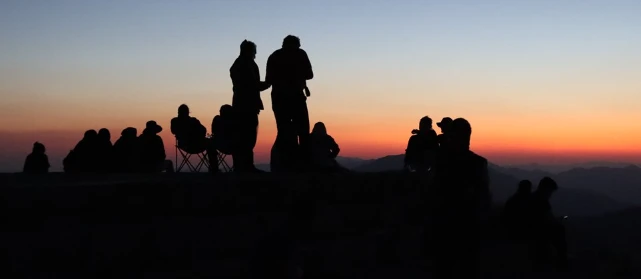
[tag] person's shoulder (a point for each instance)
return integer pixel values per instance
(478, 158)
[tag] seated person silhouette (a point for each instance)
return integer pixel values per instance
(421, 147)
(104, 151)
(516, 211)
(222, 129)
(324, 149)
(83, 157)
(191, 135)
(37, 162)
(151, 149)
(547, 230)
(125, 151)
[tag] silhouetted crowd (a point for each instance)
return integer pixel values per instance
(458, 201)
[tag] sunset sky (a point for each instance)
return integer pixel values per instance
(540, 81)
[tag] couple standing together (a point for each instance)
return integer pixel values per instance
(288, 70)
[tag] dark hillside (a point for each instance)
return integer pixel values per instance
(196, 226)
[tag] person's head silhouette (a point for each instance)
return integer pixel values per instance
(104, 134)
(425, 124)
(248, 49)
(38, 148)
(445, 124)
(291, 42)
(547, 186)
(525, 186)
(129, 132)
(461, 133)
(226, 110)
(152, 127)
(183, 110)
(91, 134)
(319, 129)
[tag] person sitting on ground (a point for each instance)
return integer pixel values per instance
(37, 162)
(191, 136)
(83, 157)
(547, 230)
(516, 211)
(125, 151)
(222, 129)
(443, 138)
(151, 149)
(421, 147)
(324, 149)
(104, 151)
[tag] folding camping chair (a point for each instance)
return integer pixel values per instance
(186, 156)
(222, 163)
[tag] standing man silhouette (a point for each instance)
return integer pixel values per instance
(246, 104)
(288, 70)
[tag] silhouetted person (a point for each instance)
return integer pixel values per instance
(104, 151)
(125, 151)
(84, 157)
(37, 162)
(284, 152)
(460, 201)
(516, 213)
(548, 231)
(247, 104)
(324, 149)
(222, 129)
(288, 70)
(421, 147)
(445, 124)
(191, 136)
(152, 149)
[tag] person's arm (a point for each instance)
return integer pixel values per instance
(308, 73)
(269, 70)
(334, 147)
(173, 126)
(161, 148)
(47, 163)
(410, 152)
(27, 164)
(485, 197)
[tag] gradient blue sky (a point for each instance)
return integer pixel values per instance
(532, 76)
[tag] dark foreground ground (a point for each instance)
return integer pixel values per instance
(198, 226)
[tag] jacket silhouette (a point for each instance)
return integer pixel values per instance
(125, 151)
(324, 149)
(104, 151)
(443, 138)
(459, 202)
(288, 70)
(421, 147)
(516, 213)
(246, 104)
(84, 156)
(37, 162)
(152, 149)
(222, 128)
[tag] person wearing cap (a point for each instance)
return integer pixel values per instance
(152, 149)
(421, 147)
(445, 126)
(459, 201)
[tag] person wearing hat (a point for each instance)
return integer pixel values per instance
(445, 124)
(152, 149)
(458, 204)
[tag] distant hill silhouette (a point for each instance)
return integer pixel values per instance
(570, 200)
(557, 168)
(348, 162)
